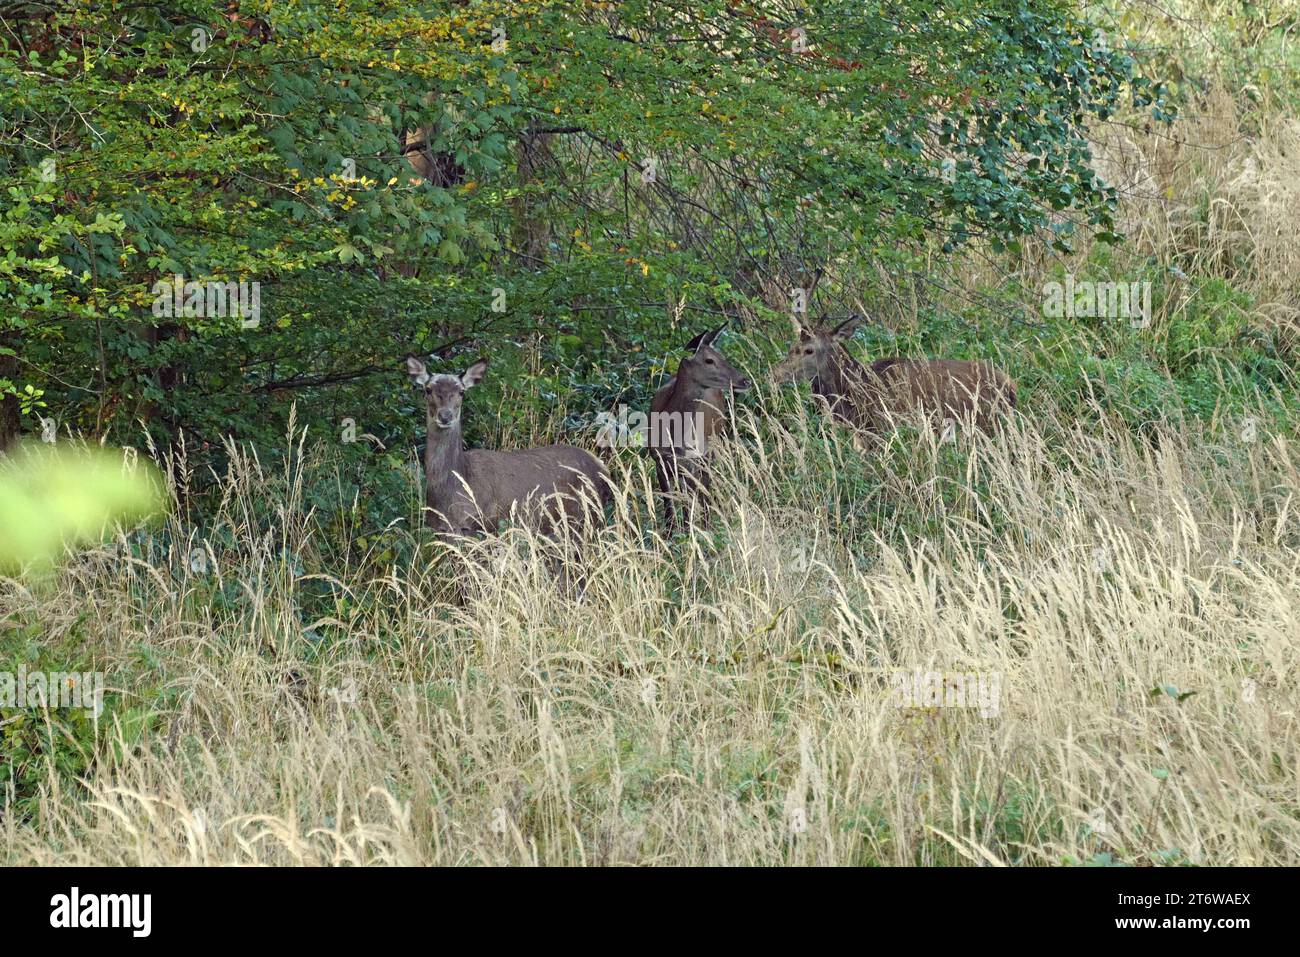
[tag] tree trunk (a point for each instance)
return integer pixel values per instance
(532, 226)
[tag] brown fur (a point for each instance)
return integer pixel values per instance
(477, 490)
(869, 397)
(695, 394)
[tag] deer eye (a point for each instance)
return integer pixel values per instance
(708, 362)
(808, 352)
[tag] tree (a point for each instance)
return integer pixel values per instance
(580, 161)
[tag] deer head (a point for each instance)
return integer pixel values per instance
(707, 368)
(814, 351)
(443, 392)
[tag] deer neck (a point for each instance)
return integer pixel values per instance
(697, 408)
(842, 377)
(444, 453)
(686, 393)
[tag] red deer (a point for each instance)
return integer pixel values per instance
(475, 490)
(869, 396)
(686, 414)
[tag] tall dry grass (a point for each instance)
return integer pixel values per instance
(1217, 194)
(728, 697)
(1214, 196)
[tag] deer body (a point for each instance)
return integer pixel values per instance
(477, 490)
(869, 396)
(686, 414)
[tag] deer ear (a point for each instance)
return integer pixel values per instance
(474, 374)
(846, 328)
(416, 370)
(705, 338)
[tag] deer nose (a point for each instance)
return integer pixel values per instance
(446, 416)
(743, 384)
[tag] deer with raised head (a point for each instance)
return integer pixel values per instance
(686, 415)
(870, 396)
(471, 490)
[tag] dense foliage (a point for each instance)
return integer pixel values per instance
(583, 164)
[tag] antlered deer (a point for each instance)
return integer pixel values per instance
(869, 396)
(477, 490)
(686, 414)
